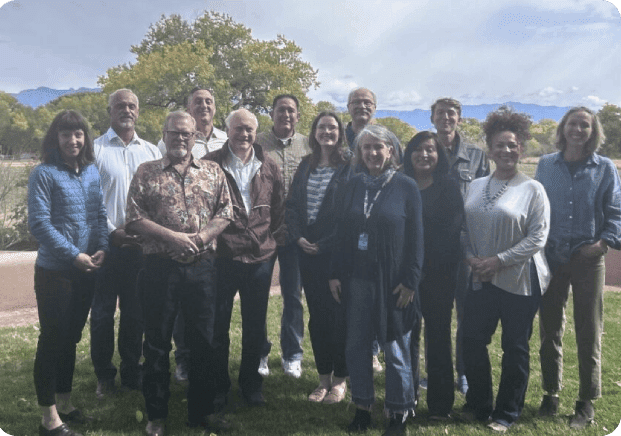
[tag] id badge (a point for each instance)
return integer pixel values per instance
(363, 242)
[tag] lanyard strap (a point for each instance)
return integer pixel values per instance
(368, 207)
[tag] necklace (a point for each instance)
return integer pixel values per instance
(488, 199)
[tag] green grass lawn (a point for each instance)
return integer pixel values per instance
(288, 412)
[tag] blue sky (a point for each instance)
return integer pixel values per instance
(549, 52)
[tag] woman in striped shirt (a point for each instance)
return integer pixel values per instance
(310, 218)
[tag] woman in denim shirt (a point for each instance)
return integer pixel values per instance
(585, 199)
(67, 217)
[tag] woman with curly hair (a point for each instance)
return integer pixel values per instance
(507, 224)
(585, 200)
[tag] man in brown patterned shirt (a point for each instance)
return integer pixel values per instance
(178, 206)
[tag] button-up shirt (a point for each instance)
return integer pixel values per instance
(286, 153)
(202, 146)
(181, 203)
(243, 174)
(117, 164)
(586, 207)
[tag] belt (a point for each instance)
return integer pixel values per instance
(188, 260)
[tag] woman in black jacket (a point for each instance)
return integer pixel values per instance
(310, 217)
(443, 214)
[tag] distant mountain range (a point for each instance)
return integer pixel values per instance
(418, 118)
(42, 95)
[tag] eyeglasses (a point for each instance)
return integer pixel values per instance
(365, 103)
(183, 135)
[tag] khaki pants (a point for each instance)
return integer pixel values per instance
(586, 276)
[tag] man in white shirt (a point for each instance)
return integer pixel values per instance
(118, 153)
(202, 106)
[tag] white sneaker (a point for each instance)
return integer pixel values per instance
(377, 366)
(264, 370)
(293, 368)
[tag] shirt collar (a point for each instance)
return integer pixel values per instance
(593, 159)
(166, 162)
(461, 152)
(286, 142)
(236, 162)
(112, 137)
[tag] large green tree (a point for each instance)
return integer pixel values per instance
(401, 129)
(18, 131)
(92, 106)
(610, 117)
(216, 52)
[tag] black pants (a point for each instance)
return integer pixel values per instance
(118, 278)
(166, 286)
(253, 283)
(437, 291)
(63, 302)
(484, 308)
(326, 323)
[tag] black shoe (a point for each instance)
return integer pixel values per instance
(63, 430)
(255, 399)
(549, 406)
(220, 402)
(584, 415)
(75, 417)
(214, 423)
(105, 388)
(361, 422)
(396, 426)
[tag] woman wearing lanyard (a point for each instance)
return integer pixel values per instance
(375, 273)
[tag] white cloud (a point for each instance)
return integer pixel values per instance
(594, 102)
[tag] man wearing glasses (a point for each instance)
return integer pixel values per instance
(179, 205)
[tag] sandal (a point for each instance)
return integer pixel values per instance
(336, 394)
(318, 394)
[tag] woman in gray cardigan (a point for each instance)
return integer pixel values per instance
(507, 224)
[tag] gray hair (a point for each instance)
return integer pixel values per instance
(179, 114)
(382, 134)
(351, 94)
(235, 113)
(112, 96)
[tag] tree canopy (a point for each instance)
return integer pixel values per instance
(610, 117)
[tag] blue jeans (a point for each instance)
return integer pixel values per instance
(118, 278)
(400, 392)
(167, 287)
(253, 281)
(292, 322)
(484, 308)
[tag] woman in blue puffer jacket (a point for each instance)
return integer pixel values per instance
(67, 217)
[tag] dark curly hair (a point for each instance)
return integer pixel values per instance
(506, 119)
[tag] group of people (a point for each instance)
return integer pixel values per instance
(380, 239)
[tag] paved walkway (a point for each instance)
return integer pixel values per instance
(18, 305)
